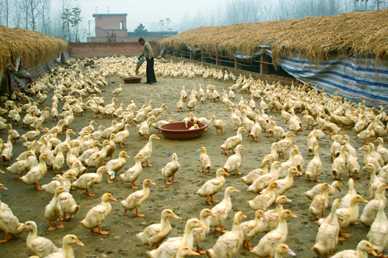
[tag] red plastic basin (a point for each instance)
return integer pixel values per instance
(178, 131)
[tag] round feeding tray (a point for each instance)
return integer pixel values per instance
(178, 131)
(133, 79)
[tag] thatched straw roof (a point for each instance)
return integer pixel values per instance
(33, 48)
(318, 38)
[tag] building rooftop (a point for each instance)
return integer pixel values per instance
(109, 14)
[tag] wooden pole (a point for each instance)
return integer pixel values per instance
(261, 64)
(235, 63)
(216, 58)
(201, 57)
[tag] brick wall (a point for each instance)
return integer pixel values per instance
(104, 49)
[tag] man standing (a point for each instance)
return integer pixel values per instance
(148, 54)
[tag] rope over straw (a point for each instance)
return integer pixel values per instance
(362, 34)
(34, 48)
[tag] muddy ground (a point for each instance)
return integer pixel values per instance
(29, 205)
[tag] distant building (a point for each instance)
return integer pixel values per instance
(112, 27)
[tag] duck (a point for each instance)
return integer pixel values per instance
(133, 173)
(67, 247)
(314, 167)
(364, 248)
(233, 162)
(256, 131)
(154, 234)
(184, 251)
(346, 200)
(381, 149)
(23, 165)
(222, 209)
(170, 169)
(121, 137)
(334, 187)
(200, 234)
(283, 250)
(213, 186)
(295, 160)
(313, 139)
(219, 125)
(96, 215)
(253, 227)
(115, 165)
(9, 223)
(320, 202)
(231, 142)
(7, 150)
(350, 214)
(146, 151)
(67, 205)
(144, 129)
(169, 248)
(287, 182)
(229, 244)
(266, 198)
(136, 199)
(378, 232)
(327, 237)
(272, 216)
(254, 174)
(370, 210)
(264, 180)
(339, 168)
(268, 243)
(53, 211)
(38, 171)
(204, 160)
(38, 245)
(87, 180)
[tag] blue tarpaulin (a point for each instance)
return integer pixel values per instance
(354, 78)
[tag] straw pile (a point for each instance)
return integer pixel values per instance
(318, 38)
(33, 48)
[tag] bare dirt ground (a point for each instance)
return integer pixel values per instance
(29, 205)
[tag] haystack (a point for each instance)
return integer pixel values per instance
(317, 38)
(33, 48)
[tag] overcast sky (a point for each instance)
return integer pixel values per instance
(146, 11)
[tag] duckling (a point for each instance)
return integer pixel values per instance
(205, 160)
(353, 166)
(170, 247)
(334, 187)
(170, 169)
(154, 234)
(36, 173)
(144, 129)
(222, 209)
(382, 150)
(38, 245)
(87, 180)
(67, 247)
(64, 180)
(295, 160)
(350, 214)
(122, 136)
(286, 183)
(269, 158)
(7, 150)
(254, 174)
(68, 205)
(268, 243)
(135, 200)
(9, 223)
(328, 232)
(363, 249)
(180, 105)
(256, 131)
(253, 227)
(146, 151)
(115, 165)
(320, 202)
(378, 233)
(264, 180)
(314, 167)
(205, 216)
(132, 174)
(265, 199)
(194, 127)
(370, 210)
(283, 146)
(96, 215)
(213, 186)
(116, 92)
(219, 125)
(233, 162)
(23, 165)
(272, 216)
(339, 167)
(53, 211)
(283, 250)
(313, 139)
(184, 251)
(229, 244)
(231, 142)
(346, 200)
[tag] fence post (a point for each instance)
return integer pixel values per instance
(235, 62)
(201, 57)
(263, 66)
(216, 57)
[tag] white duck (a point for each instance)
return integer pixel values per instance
(133, 173)
(233, 163)
(134, 200)
(170, 169)
(213, 186)
(67, 247)
(38, 245)
(378, 233)
(146, 152)
(363, 249)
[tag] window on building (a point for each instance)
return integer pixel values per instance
(121, 26)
